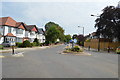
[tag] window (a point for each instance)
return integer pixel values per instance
(14, 29)
(19, 31)
(19, 39)
(26, 33)
(9, 29)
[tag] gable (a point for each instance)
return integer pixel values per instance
(21, 27)
(34, 29)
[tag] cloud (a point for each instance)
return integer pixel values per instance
(68, 14)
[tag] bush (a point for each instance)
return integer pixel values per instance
(77, 49)
(36, 42)
(47, 42)
(88, 40)
(19, 44)
(1, 46)
(27, 44)
(41, 44)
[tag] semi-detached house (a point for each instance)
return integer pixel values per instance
(12, 31)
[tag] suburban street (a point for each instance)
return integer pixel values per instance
(48, 63)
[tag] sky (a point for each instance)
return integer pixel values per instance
(69, 14)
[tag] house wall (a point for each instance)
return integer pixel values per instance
(32, 36)
(13, 30)
(1, 30)
(20, 35)
(1, 40)
(5, 30)
(41, 38)
(27, 34)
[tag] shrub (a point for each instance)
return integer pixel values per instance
(1, 46)
(18, 44)
(88, 40)
(41, 44)
(77, 49)
(48, 42)
(36, 42)
(27, 44)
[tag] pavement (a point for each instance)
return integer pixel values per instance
(8, 50)
(48, 63)
(101, 51)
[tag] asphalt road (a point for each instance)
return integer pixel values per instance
(48, 63)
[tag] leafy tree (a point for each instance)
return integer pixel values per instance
(108, 23)
(80, 40)
(67, 38)
(74, 36)
(52, 24)
(54, 32)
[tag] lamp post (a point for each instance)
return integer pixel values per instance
(99, 35)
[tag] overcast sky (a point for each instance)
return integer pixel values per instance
(68, 14)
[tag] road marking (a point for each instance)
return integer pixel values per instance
(20, 54)
(2, 56)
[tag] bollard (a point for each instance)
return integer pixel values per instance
(89, 48)
(108, 49)
(13, 50)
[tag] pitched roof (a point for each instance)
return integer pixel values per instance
(93, 34)
(31, 28)
(20, 25)
(7, 21)
(40, 31)
(10, 34)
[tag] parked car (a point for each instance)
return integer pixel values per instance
(8, 44)
(118, 50)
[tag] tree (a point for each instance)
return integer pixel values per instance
(74, 36)
(67, 38)
(51, 24)
(108, 23)
(80, 40)
(54, 32)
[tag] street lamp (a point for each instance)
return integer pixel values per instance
(99, 35)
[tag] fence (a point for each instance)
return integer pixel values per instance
(103, 45)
